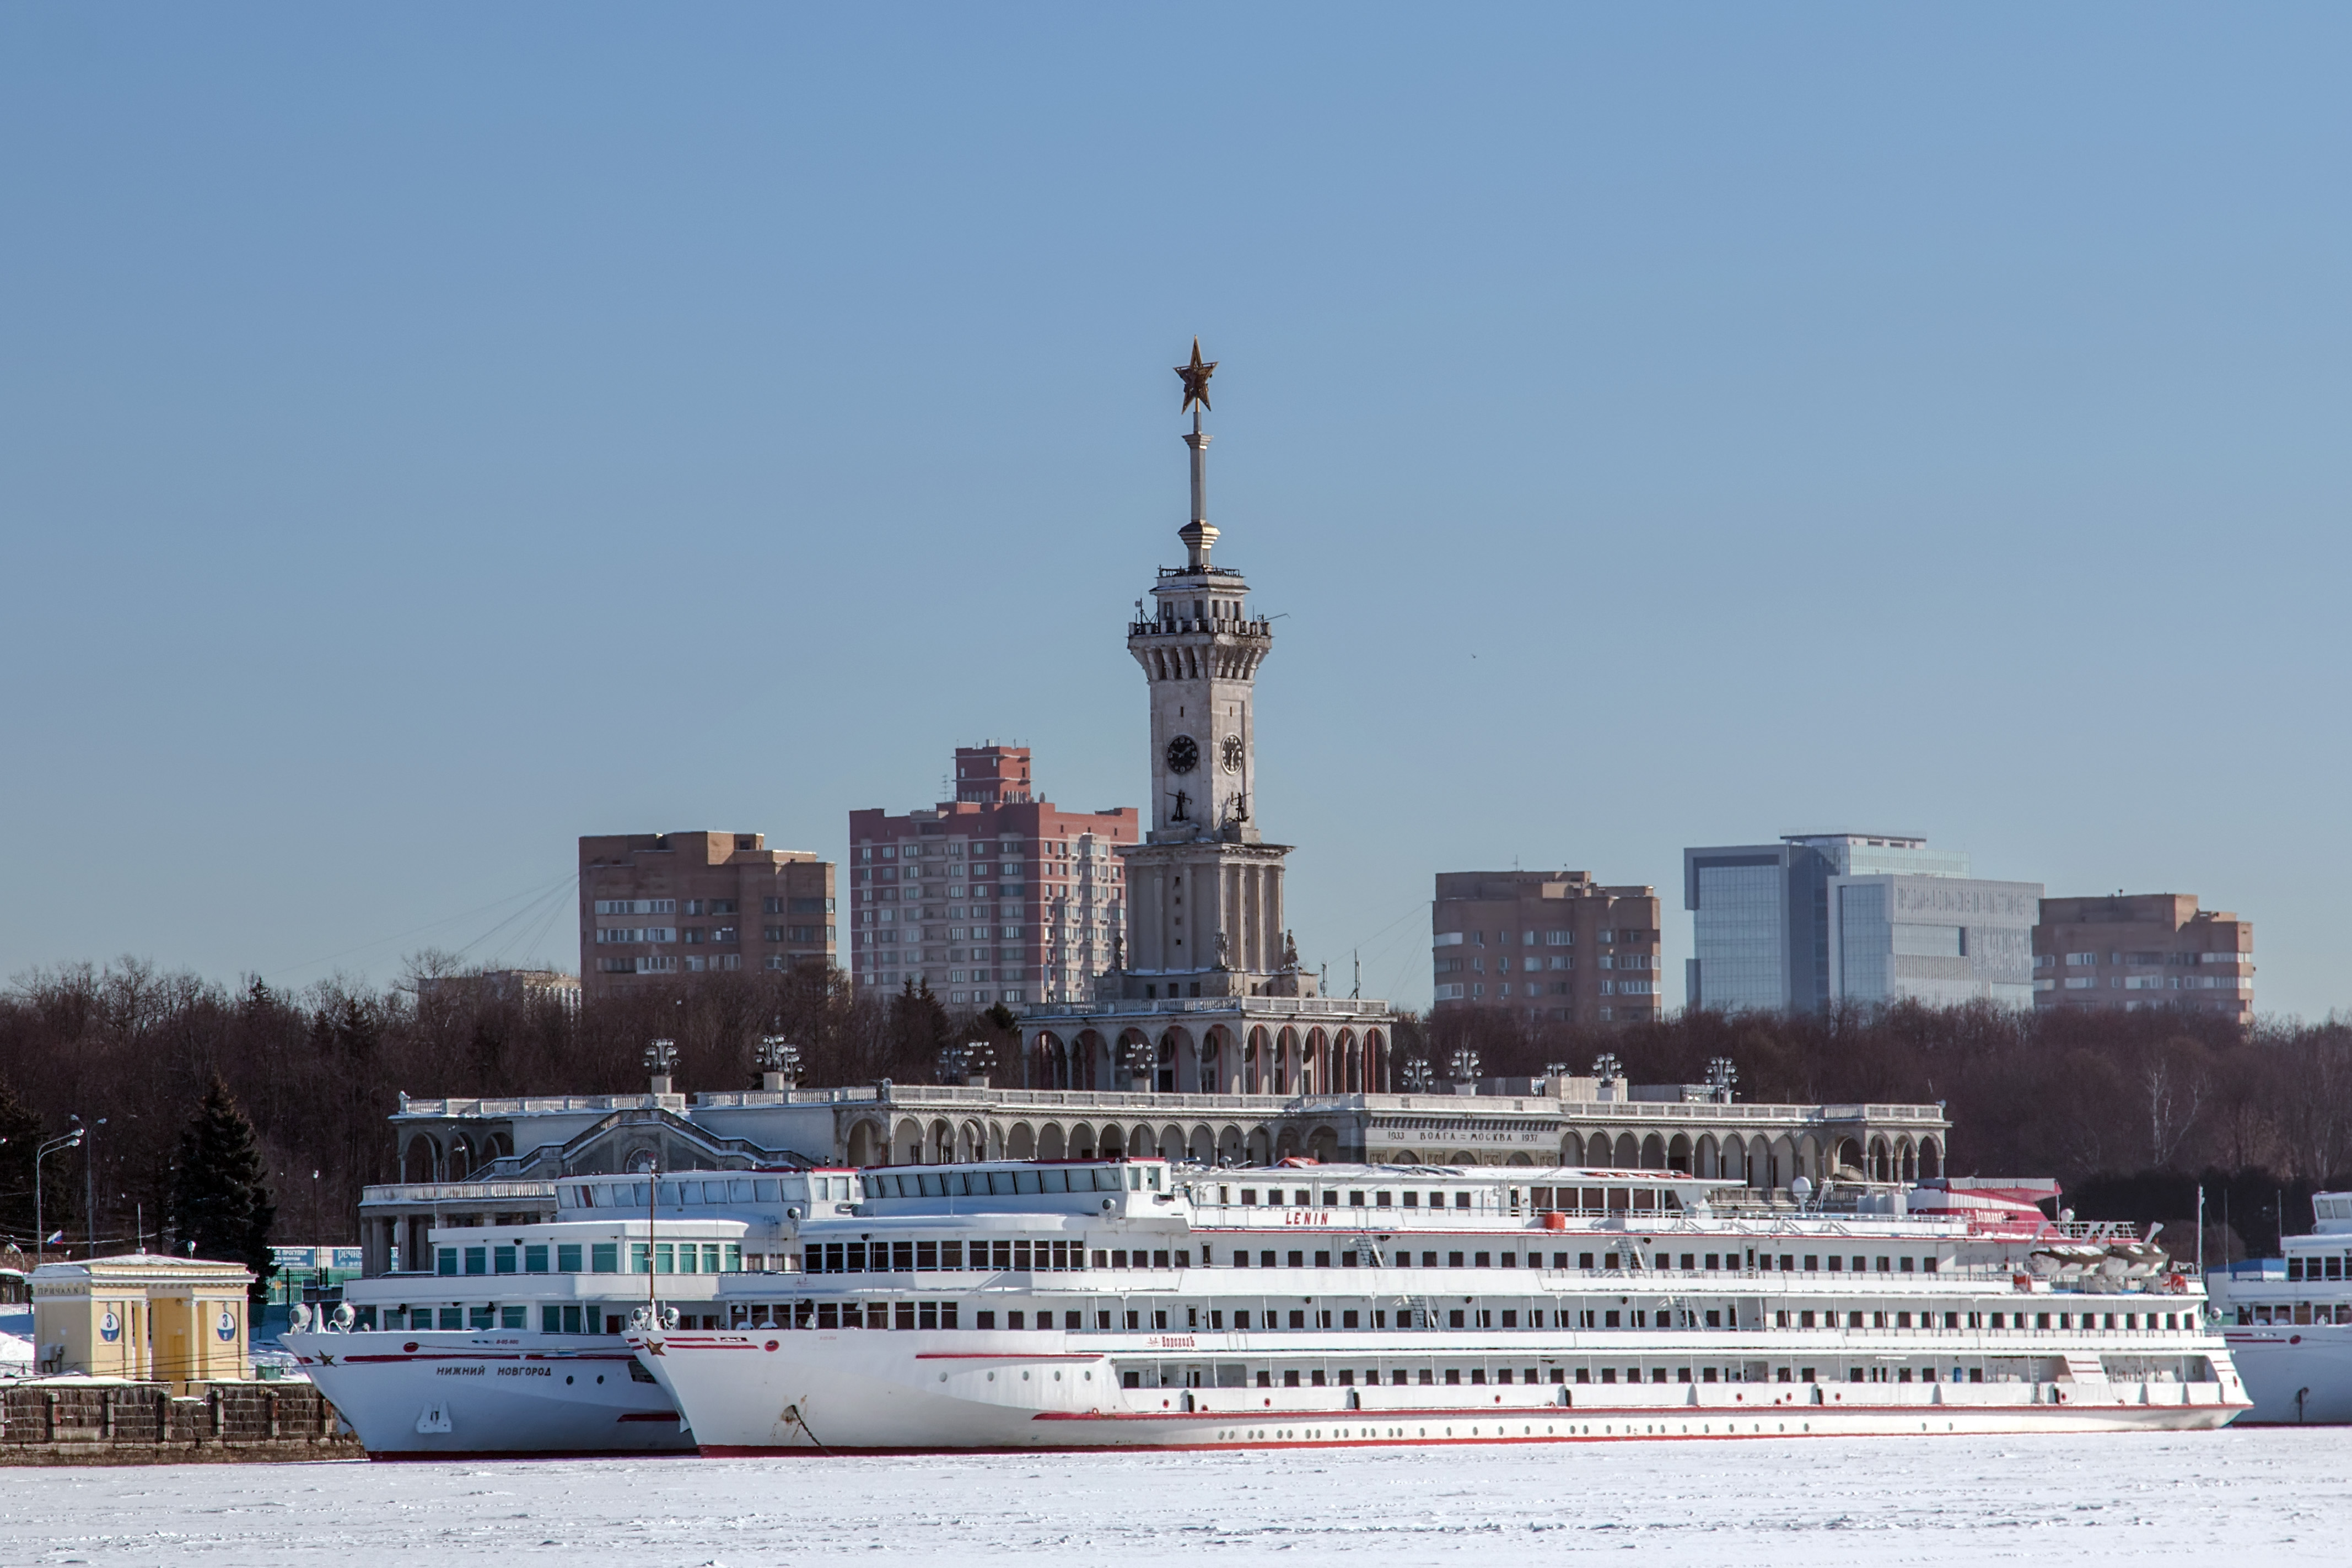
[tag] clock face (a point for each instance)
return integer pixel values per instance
(1231, 754)
(1183, 754)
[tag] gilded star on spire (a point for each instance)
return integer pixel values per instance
(1196, 378)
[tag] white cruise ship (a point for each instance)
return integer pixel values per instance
(2288, 1321)
(512, 1344)
(1136, 1303)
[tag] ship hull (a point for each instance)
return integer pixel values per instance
(2279, 1363)
(818, 1392)
(426, 1395)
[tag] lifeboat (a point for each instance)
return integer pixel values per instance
(2065, 1261)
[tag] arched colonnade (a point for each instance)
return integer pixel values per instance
(1288, 1060)
(930, 1139)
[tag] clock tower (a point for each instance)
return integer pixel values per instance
(1205, 888)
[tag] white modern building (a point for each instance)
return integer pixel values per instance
(1820, 919)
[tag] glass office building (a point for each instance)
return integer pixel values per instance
(1818, 919)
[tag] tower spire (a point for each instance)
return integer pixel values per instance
(1199, 534)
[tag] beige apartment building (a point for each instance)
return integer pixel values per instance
(2143, 950)
(1553, 945)
(996, 896)
(654, 907)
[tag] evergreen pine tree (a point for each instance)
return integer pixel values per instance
(220, 1206)
(20, 1136)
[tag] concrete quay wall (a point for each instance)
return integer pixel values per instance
(82, 1423)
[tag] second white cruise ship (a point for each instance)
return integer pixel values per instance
(510, 1344)
(1136, 1303)
(2288, 1322)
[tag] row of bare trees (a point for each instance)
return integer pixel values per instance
(2138, 1106)
(2116, 1096)
(130, 1051)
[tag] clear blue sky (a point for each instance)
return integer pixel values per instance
(431, 434)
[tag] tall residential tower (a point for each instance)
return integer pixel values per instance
(996, 896)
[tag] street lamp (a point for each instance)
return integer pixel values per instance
(779, 1063)
(40, 1232)
(1721, 1074)
(90, 1184)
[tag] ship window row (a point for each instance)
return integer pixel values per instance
(692, 1192)
(1228, 1375)
(1515, 1200)
(2313, 1266)
(1015, 1183)
(1999, 1323)
(602, 1258)
(568, 1318)
(1996, 1370)
(946, 1314)
(1239, 1376)
(1747, 1260)
(1021, 1256)
(2301, 1312)
(1304, 1197)
(957, 1257)
(584, 1318)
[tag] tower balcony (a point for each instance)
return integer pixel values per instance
(1255, 629)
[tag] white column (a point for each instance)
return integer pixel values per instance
(1253, 946)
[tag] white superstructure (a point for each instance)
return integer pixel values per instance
(511, 1343)
(1136, 1303)
(2288, 1321)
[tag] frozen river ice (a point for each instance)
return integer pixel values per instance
(2234, 1499)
